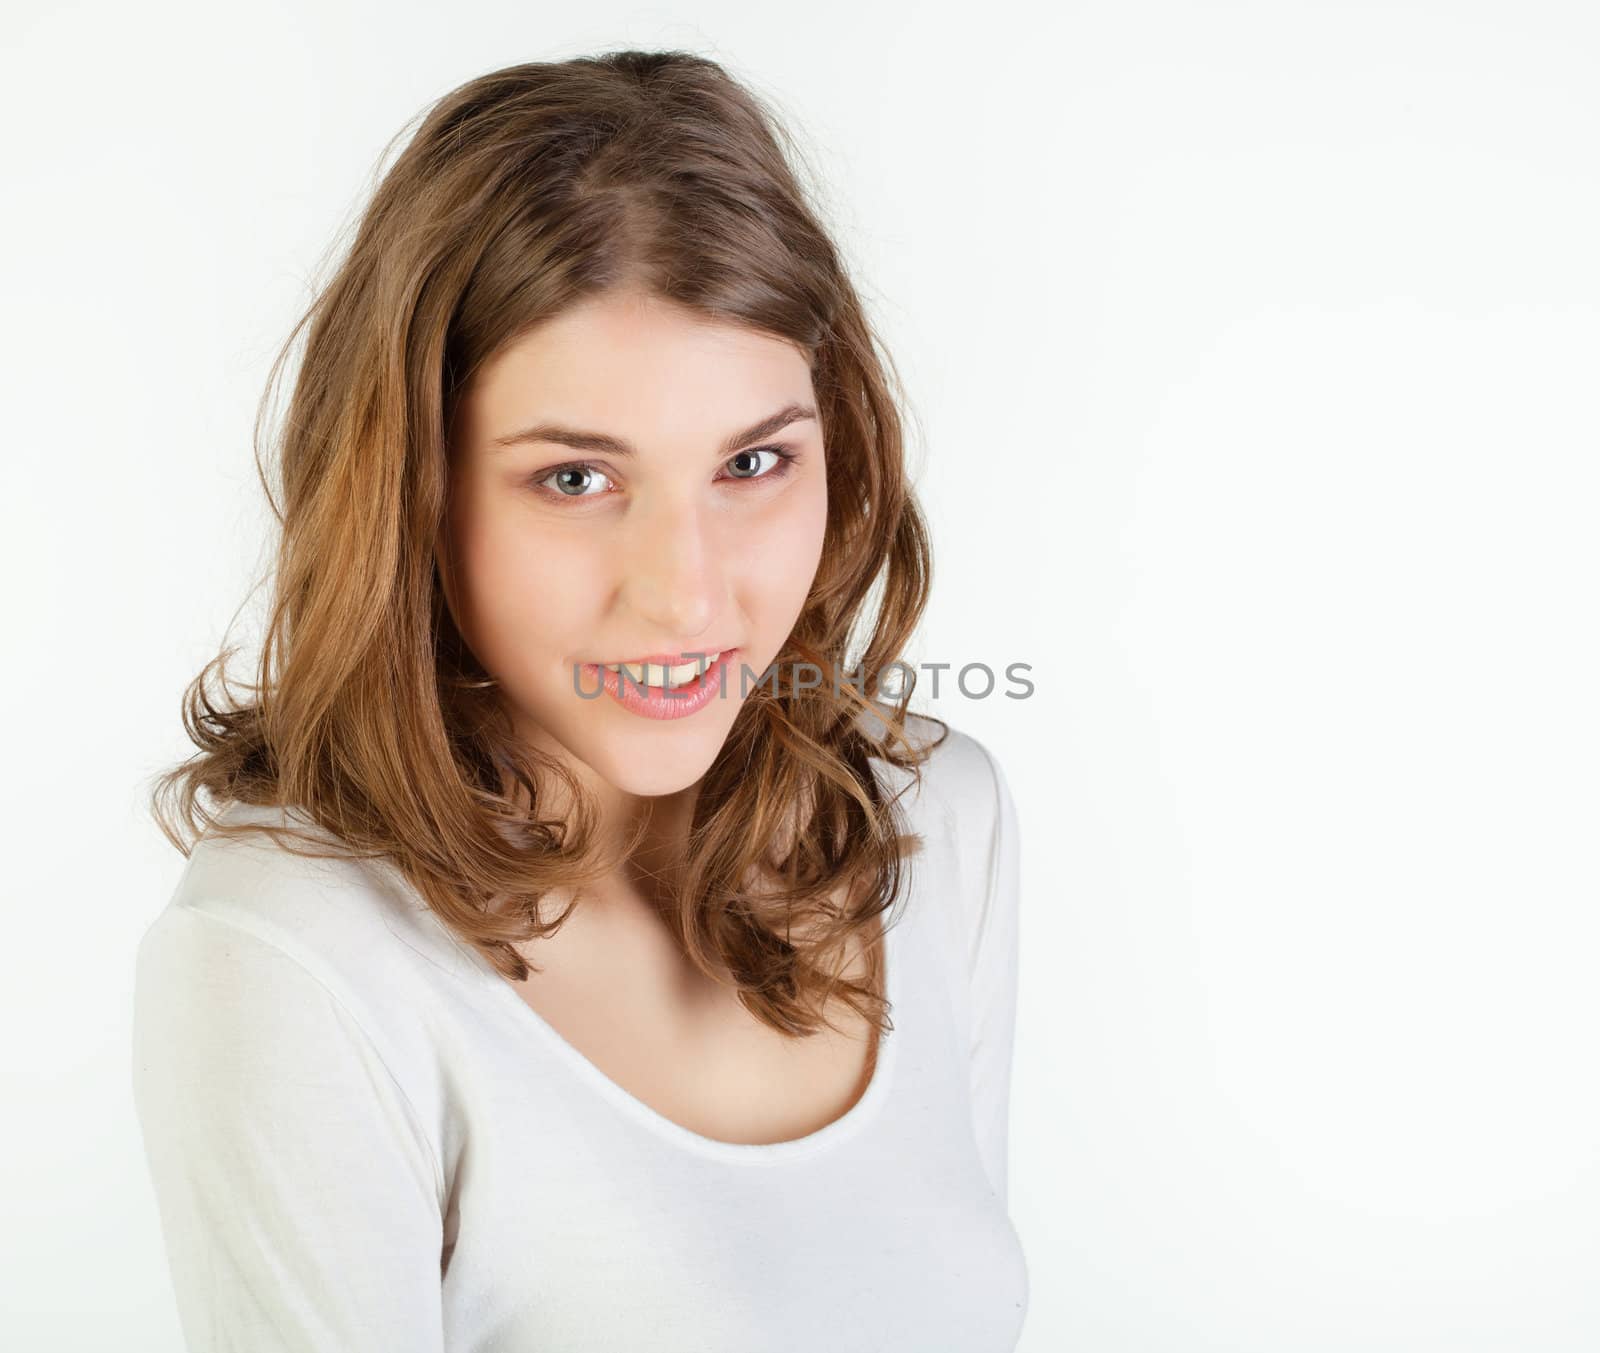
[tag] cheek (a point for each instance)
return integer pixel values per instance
(785, 551)
(525, 590)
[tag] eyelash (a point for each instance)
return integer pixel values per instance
(785, 461)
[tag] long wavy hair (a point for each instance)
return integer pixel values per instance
(525, 191)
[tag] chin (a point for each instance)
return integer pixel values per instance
(650, 766)
(639, 756)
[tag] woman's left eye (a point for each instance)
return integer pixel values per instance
(779, 467)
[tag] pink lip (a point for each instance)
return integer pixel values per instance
(655, 702)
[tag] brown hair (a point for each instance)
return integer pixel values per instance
(524, 191)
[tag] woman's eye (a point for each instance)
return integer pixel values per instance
(573, 481)
(779, 465)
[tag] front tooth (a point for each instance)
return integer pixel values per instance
(690, 670)
(654, 674)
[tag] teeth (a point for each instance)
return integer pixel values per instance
(654, 674)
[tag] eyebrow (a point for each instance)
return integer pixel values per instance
(600, 441)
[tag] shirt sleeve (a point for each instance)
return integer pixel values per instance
(299, 1198)
(994, 983)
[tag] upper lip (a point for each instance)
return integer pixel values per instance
(665, 659)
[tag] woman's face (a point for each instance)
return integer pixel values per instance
(682, 535)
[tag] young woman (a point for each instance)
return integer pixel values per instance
(529, 985)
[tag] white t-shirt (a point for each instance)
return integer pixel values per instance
(363, 1140)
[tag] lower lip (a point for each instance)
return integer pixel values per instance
(656, 702)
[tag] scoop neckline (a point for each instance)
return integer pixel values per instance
(840, 1130)
(846, 1126)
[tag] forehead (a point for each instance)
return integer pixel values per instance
(637, 365)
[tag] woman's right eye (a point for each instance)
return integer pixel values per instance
(571, 481)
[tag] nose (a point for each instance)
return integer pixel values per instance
(672, 570)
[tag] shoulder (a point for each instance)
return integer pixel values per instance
(250, 901)
(281, 988)
(960, 785)
(958, 803)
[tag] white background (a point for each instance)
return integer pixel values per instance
(1252, 355)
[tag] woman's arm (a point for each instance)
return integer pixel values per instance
(994, 982)
(299, 1196)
